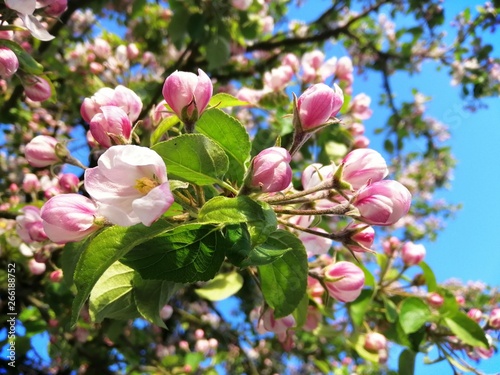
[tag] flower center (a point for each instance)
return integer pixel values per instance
(145, 184)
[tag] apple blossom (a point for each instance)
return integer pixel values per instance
(56, 276)
(361, 234)
(37, 89)
(318, 104)
(271, 171)
(412, 254)
(494, 320)
(363, 165)
(382, 202)
(69, 183)
(280, 325)
(69, 218)
(241, 4)
(344, 69)
(29, 225)
(360, 107)
(315, 245)
(435, 300)
(110, 127)
(8, 62)
(475, 314)
(344, 280)
(31, 183)
(130, 185)
(36, 268)
(43, 150)
(375, 341)
(188, 95)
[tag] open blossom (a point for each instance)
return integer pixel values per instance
(121, 97)
(363, 165)
(29, 225)
(41, 151)
(360, 107)
(188, 94)
(344, 281)
(69, 218)
(130, 185)
(318, 104)
(271, 170)
(111, 126)
(383, 202)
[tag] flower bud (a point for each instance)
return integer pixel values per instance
(318, 104)
(271, 171)
(315, 245)
(360, 107)
(241, 4)
(375, 341)
(344, 281)
(56, 7)
(69, 183)
(412, 254)
(187, 94)
(363, 165)
(41, 151)
(435, 300)
(29, 225)
(363, 237)
(344, 69)
(31, 183)
(475, 314)
(69, 218)
(56, 276)
(36, 268)
(494, 320)
(37, 88)
(383, 202)
(280, 325)
(111, 127)
(8, 62)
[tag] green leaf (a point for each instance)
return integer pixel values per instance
(259, 216)
(112, 296)
(284, 281)
(231, 136)
(358, 342)
(103, 250)
(467, 330)
(177, 27)
(277, 244)
(369, 278)
(70, 255)
(218, 52)
(391, 312)
(224, 100)
(162, 128)
(241, 245)
(414, 313)
(26, 62)
(300, 313)
(430, 279)
(406, 364)
(222, 286)
(360, 306)
(188, 253)
(151, 295)
(193, 158)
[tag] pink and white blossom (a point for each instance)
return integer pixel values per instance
(318, 104)
(363, 165)
(344, 280)
(130, 185)
(271, 170)
(412, 253)
(41, 151)
(111, 127)
(29, 225)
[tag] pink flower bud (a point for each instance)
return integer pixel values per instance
(278, 78)
(56, 7)
(280, 325)
(31, 183)
(41, 151)
(69, 183)
(132, 51)
(361, 141)
(375, 341)
(111, 127)
(391, 245)
(363, 165)
(241, 4)
(412, 254)
(271, 170)
(36, 268)
(187, 94)
(494, 320)
(475, 314)
(435, 300)
(383, 202)
(315, 245)
(29, 225)
(130, 185)
(360, 107)
(166, 312)
(56, 276)
(318, 104)
(344, 281)
(344, 69)
(8, 62)
(69, 218)
(292, 61)
(365, 237)
(312, 320)
(314, 59)
(37, 88)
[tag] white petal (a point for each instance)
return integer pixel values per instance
(22, 6)
(35, 27)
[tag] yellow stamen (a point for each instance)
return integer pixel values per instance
(145, 184)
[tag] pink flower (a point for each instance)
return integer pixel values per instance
(292, 61)
(187, 94)
(344, 69)
(344, 281)
(110, 127)
(375, 341)
(121, 97)
(280, 325)
(412, 254)
(130, 185)
(8, 62)
(476, 314)
(30, 226)
(55, 8)
(69, 183)
(318, 104)
(278, 78)
(364, 237)
(494, 320)
(37, 88)
(315, 245)
(56, 276)
(31, 183)
(383, 202)
(69, 218)
(41, 151)
(22, 6)
(435, 300)
(271, 170)
(241, 4)
(363, 165)
(360, 107)
(36, 268)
